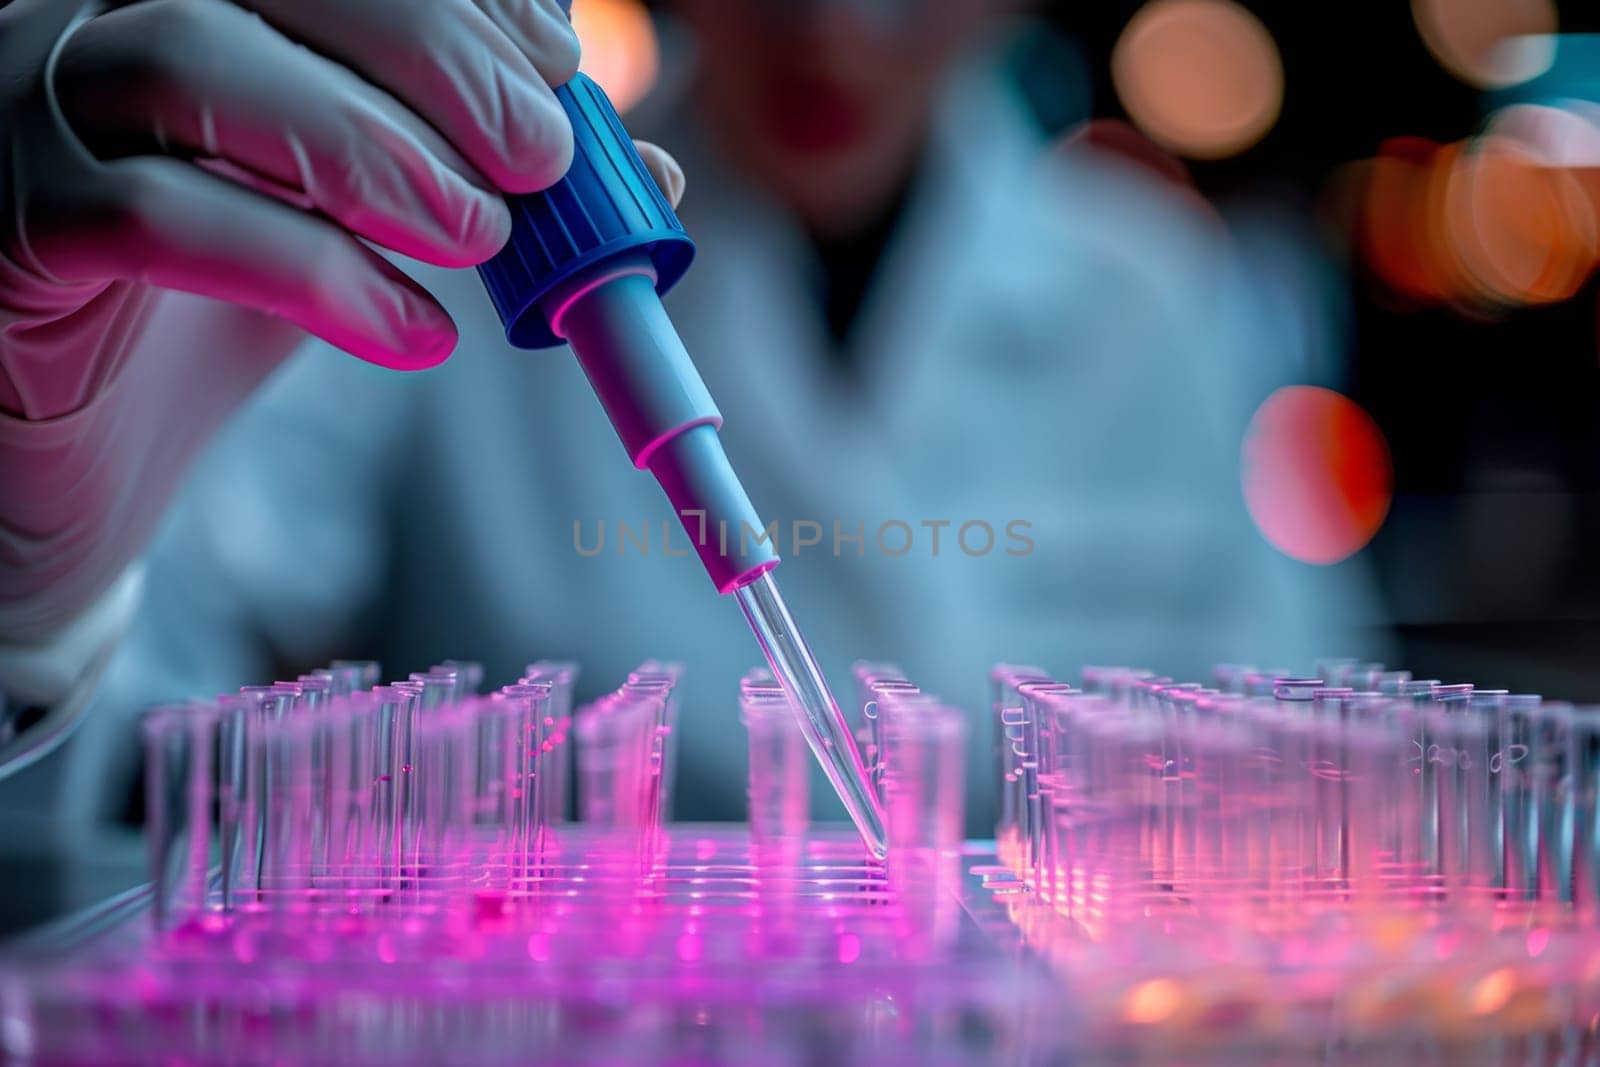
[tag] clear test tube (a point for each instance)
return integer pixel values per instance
(330, 770)
(1167, 702)
(1328, 768)
(1023, 737)
(1012, 830)
(779, 776)
(312, 699)
(614, 736)
(262, 828)
(1021, 726)
(1295, 837)
(498, 784)
(434, 689)
(1488, 840)
(529, 758)
(1460, 742)
(1221, 842)
(924, 762)
(1258, 783)
(656, 693)
(1410, 836)
(1006, 717)
(1516, 764)
(1458, 752)
(446, 751)
(1116, 806)
(1301, 810)
(1183, 713)
(1553, 767)
(637, 716)
(1377, 715)
(353, 719)
(1063, 734)
(871, 691)
(1177, 710)
(555, 774)
(286, 841)
(1220, 744)
(1044, 703)
(237, 819)
(180, 787)
(667, 676)
(924, 756)
(600, 757)
(1375, 776)
(393, 726)
(1430, 730)
(866, 674)
(1419, 691)
(1143, 702)
(661, 681)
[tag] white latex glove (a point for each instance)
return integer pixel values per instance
(242, 151)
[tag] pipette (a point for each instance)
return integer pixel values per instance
(587, 263)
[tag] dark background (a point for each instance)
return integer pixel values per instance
(1485, 562)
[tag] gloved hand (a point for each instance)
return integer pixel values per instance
(242, 151)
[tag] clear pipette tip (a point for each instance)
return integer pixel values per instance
(820, 719)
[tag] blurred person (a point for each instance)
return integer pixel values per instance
(911, 323)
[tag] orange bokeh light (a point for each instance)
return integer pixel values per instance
(1201, 77)
(1394, 223)
(1488, 43)
(1152, 1002)
(1520, 232)
(1317, 476)
(1487, 223)
(619, 48)
(1493, 991)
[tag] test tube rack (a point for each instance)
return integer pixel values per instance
(1358, 854)
(1344, 865)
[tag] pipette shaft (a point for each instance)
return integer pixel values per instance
(587, 262)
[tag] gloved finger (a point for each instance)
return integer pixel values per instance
(542, 30)
(173, 225)
(450, 63)
(213, 81)
(664, 169)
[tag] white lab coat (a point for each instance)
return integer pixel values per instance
(1064, 345)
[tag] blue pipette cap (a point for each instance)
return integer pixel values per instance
(608, 206)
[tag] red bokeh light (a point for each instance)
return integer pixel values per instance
(1316, 473)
